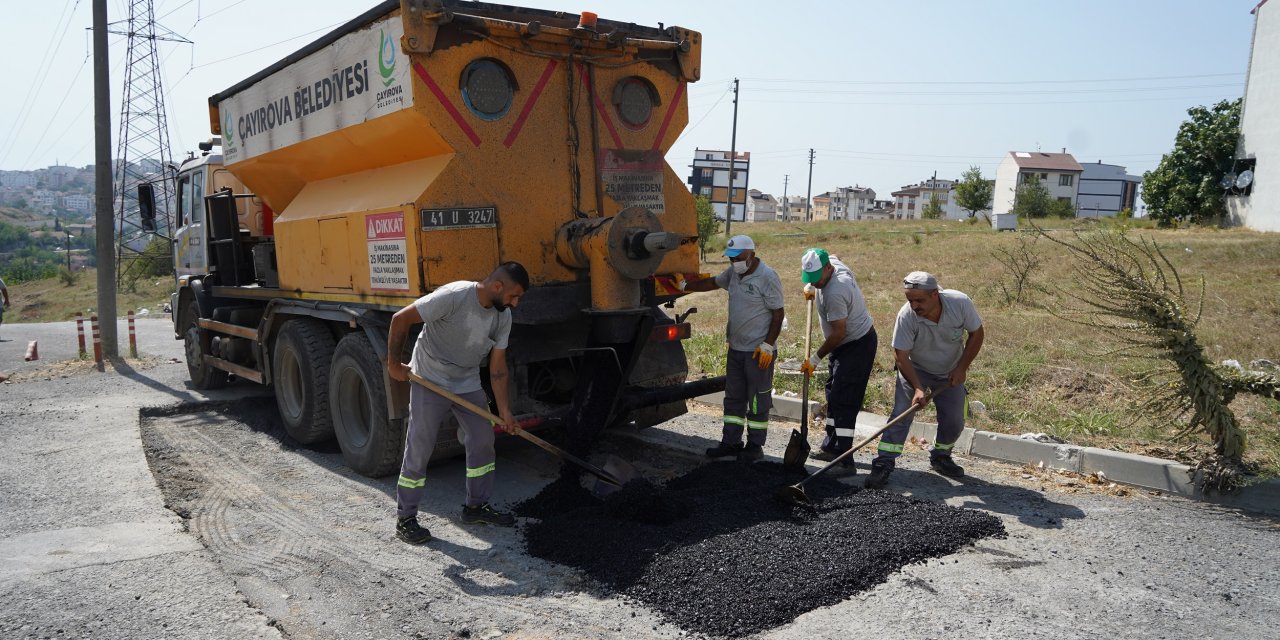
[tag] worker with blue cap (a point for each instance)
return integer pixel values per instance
(755, 319)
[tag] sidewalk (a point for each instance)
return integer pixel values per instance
(1124, 468)
(87, 546)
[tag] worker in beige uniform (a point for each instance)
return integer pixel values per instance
(462, 323)
(936, 336)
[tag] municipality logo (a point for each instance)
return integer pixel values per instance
(228, 129)
(387, 59)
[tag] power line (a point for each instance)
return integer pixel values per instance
(704, 116)
(1038, 92)
(977, 82)
(29, 102)
(982, 104)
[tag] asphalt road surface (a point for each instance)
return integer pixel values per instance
(206, 522)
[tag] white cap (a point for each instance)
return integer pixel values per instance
(738, 244)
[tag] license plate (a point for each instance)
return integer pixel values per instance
(462, 218)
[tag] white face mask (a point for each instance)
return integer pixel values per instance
(741, 267)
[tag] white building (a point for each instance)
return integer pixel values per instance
(710, 178)
(1254, 200)
(847, 203)
(77, 202)
(906, 202)
(44, 198)
(794, 206)
(761, 207)
(1105, 190)
(1058, 172)
(17, 179)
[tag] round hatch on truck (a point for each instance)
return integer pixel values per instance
(635, 99)
(487, 88)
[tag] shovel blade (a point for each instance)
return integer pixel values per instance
(793, 494)
(620, 470)
(797, 450)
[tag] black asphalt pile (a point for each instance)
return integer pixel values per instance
(734, 560)
(642, 501)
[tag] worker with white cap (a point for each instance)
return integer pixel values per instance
(932, 352)
(755, 319)
(850, 342)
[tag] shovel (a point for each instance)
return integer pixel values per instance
(794, 494)
(620, 472)
(798, 446)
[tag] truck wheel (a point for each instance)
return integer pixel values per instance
(372, 444)
(300, 373)
(202, 375)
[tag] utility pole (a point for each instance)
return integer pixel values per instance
(733, 155)
(786, 204)
(808, 194)
(103, 215)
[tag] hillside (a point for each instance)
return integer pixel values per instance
(50, 300)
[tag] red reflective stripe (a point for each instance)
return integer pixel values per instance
(528, 104)
(671, 111)
(608, 122)
(444, 102)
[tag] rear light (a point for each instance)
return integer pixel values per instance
(672, 332)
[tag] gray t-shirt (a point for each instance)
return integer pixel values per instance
(937, 347)
(457, 335)
(842, 299)
(752, 301)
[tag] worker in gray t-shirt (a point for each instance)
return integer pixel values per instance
(463, 324)
(932, 352)
(849, 342)
(755, 319)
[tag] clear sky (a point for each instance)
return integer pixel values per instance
(886, 92)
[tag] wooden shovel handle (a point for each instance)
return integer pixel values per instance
(484, 413)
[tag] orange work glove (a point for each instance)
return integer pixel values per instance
(810, 292)
(763, 355)
(810, 366)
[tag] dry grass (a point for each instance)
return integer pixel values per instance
(50, 300)
(1036, 372)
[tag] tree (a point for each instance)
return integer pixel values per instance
(1184, 187)
(707, 224)
(1032, 199)
(933, 210)
(1062, 208)
(973, 192)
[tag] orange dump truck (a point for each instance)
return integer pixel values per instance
(425, 142)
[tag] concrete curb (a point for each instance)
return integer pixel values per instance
(1125, 468)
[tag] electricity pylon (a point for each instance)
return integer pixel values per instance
(144, 234)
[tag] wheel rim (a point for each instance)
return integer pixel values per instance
(355, 415)
(191, 348)
(289, 384)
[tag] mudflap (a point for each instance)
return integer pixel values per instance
(661, 364)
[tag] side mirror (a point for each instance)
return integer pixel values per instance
(147, 206)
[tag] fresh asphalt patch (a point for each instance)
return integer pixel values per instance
(714, 552)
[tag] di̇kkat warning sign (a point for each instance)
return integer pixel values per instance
(388, 264)
(633, 178)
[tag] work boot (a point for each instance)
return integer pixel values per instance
(485, 514)
(751, 453)
(946, 466)
(724, 450)
(879, 477)
(410, 531)
(827, 456)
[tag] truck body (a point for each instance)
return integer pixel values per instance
(426, 142)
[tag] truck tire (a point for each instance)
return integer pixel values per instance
(372, 445)
(203, 376)
(300, 373)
